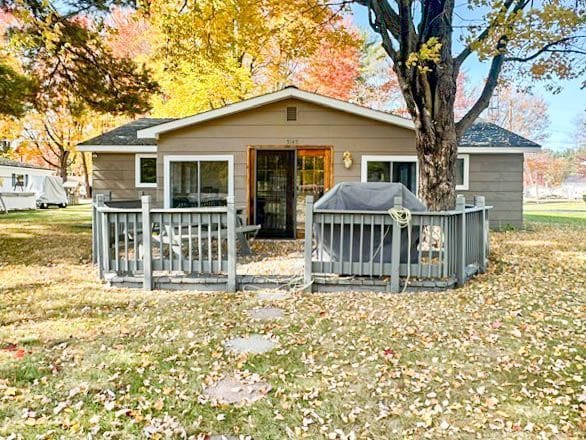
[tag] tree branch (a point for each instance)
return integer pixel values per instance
(547, 48)
(484, 99)
(459, 60)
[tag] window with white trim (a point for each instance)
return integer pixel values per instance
(146, 170)
(195, 181)
(462, 172)
(405, 170)
(398, 169)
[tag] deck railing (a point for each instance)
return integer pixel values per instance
(447, 245)
(193, 241)
(442, 248)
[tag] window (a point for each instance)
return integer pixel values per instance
(146, 170)
(196, 181)
(19, 181)
(405, 170)
(399, 169)
(291, 113)
(462, 172)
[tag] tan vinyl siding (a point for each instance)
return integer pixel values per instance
(498, 177)
(267, 126)
(113, 173)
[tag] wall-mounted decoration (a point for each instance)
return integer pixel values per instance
(347, 159)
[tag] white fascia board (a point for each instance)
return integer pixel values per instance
(498, 150)
(117, 148)
(154, 132)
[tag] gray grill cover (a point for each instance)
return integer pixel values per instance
(375, 196)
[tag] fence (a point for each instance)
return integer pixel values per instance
(444, 248)
(446, 245)
(138, 241)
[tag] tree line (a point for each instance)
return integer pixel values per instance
(69, 70)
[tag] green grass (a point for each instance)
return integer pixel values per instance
(502, 357)
(556, 213)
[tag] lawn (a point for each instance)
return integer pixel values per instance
(556, 213)
(502, 357)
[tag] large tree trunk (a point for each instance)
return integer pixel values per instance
(437, 153)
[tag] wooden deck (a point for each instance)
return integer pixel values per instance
(197, 249)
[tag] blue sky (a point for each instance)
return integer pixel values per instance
(564, 108)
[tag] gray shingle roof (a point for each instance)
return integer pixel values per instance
(480, 134)
(16, 163)
(487, 134)
(126, 134)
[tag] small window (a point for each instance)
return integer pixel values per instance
(462, 172)
(19, 181)
(291, 113)
(398, 169)
(146, 170)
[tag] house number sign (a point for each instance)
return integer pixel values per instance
(292, 141)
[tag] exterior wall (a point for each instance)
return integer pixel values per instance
(498, 177)
(266, 126)
(114, 173)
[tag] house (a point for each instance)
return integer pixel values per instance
(574, 187)
(271, 151)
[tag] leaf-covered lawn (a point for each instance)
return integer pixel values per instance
(502, 357)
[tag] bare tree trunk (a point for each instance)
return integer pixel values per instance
(63, 165)
(86, 176)
(437, 153)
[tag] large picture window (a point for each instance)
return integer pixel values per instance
(146, 170)
(196, 181)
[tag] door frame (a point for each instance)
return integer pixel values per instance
(251, 172)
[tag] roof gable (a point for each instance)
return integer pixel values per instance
(141, 135)
(270, 98)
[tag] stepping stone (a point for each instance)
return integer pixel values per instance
(252, 344)
(272, 296)
(266, 313)
(231, 390)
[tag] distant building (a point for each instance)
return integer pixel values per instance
(15, 175)
(574, 187)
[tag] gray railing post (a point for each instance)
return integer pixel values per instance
(461, 243)
(105, 232)
(480, 203)
(98, 233)
(94, 231)
(396, 250)
(307, 273)
(231, 219)
(146, 244)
